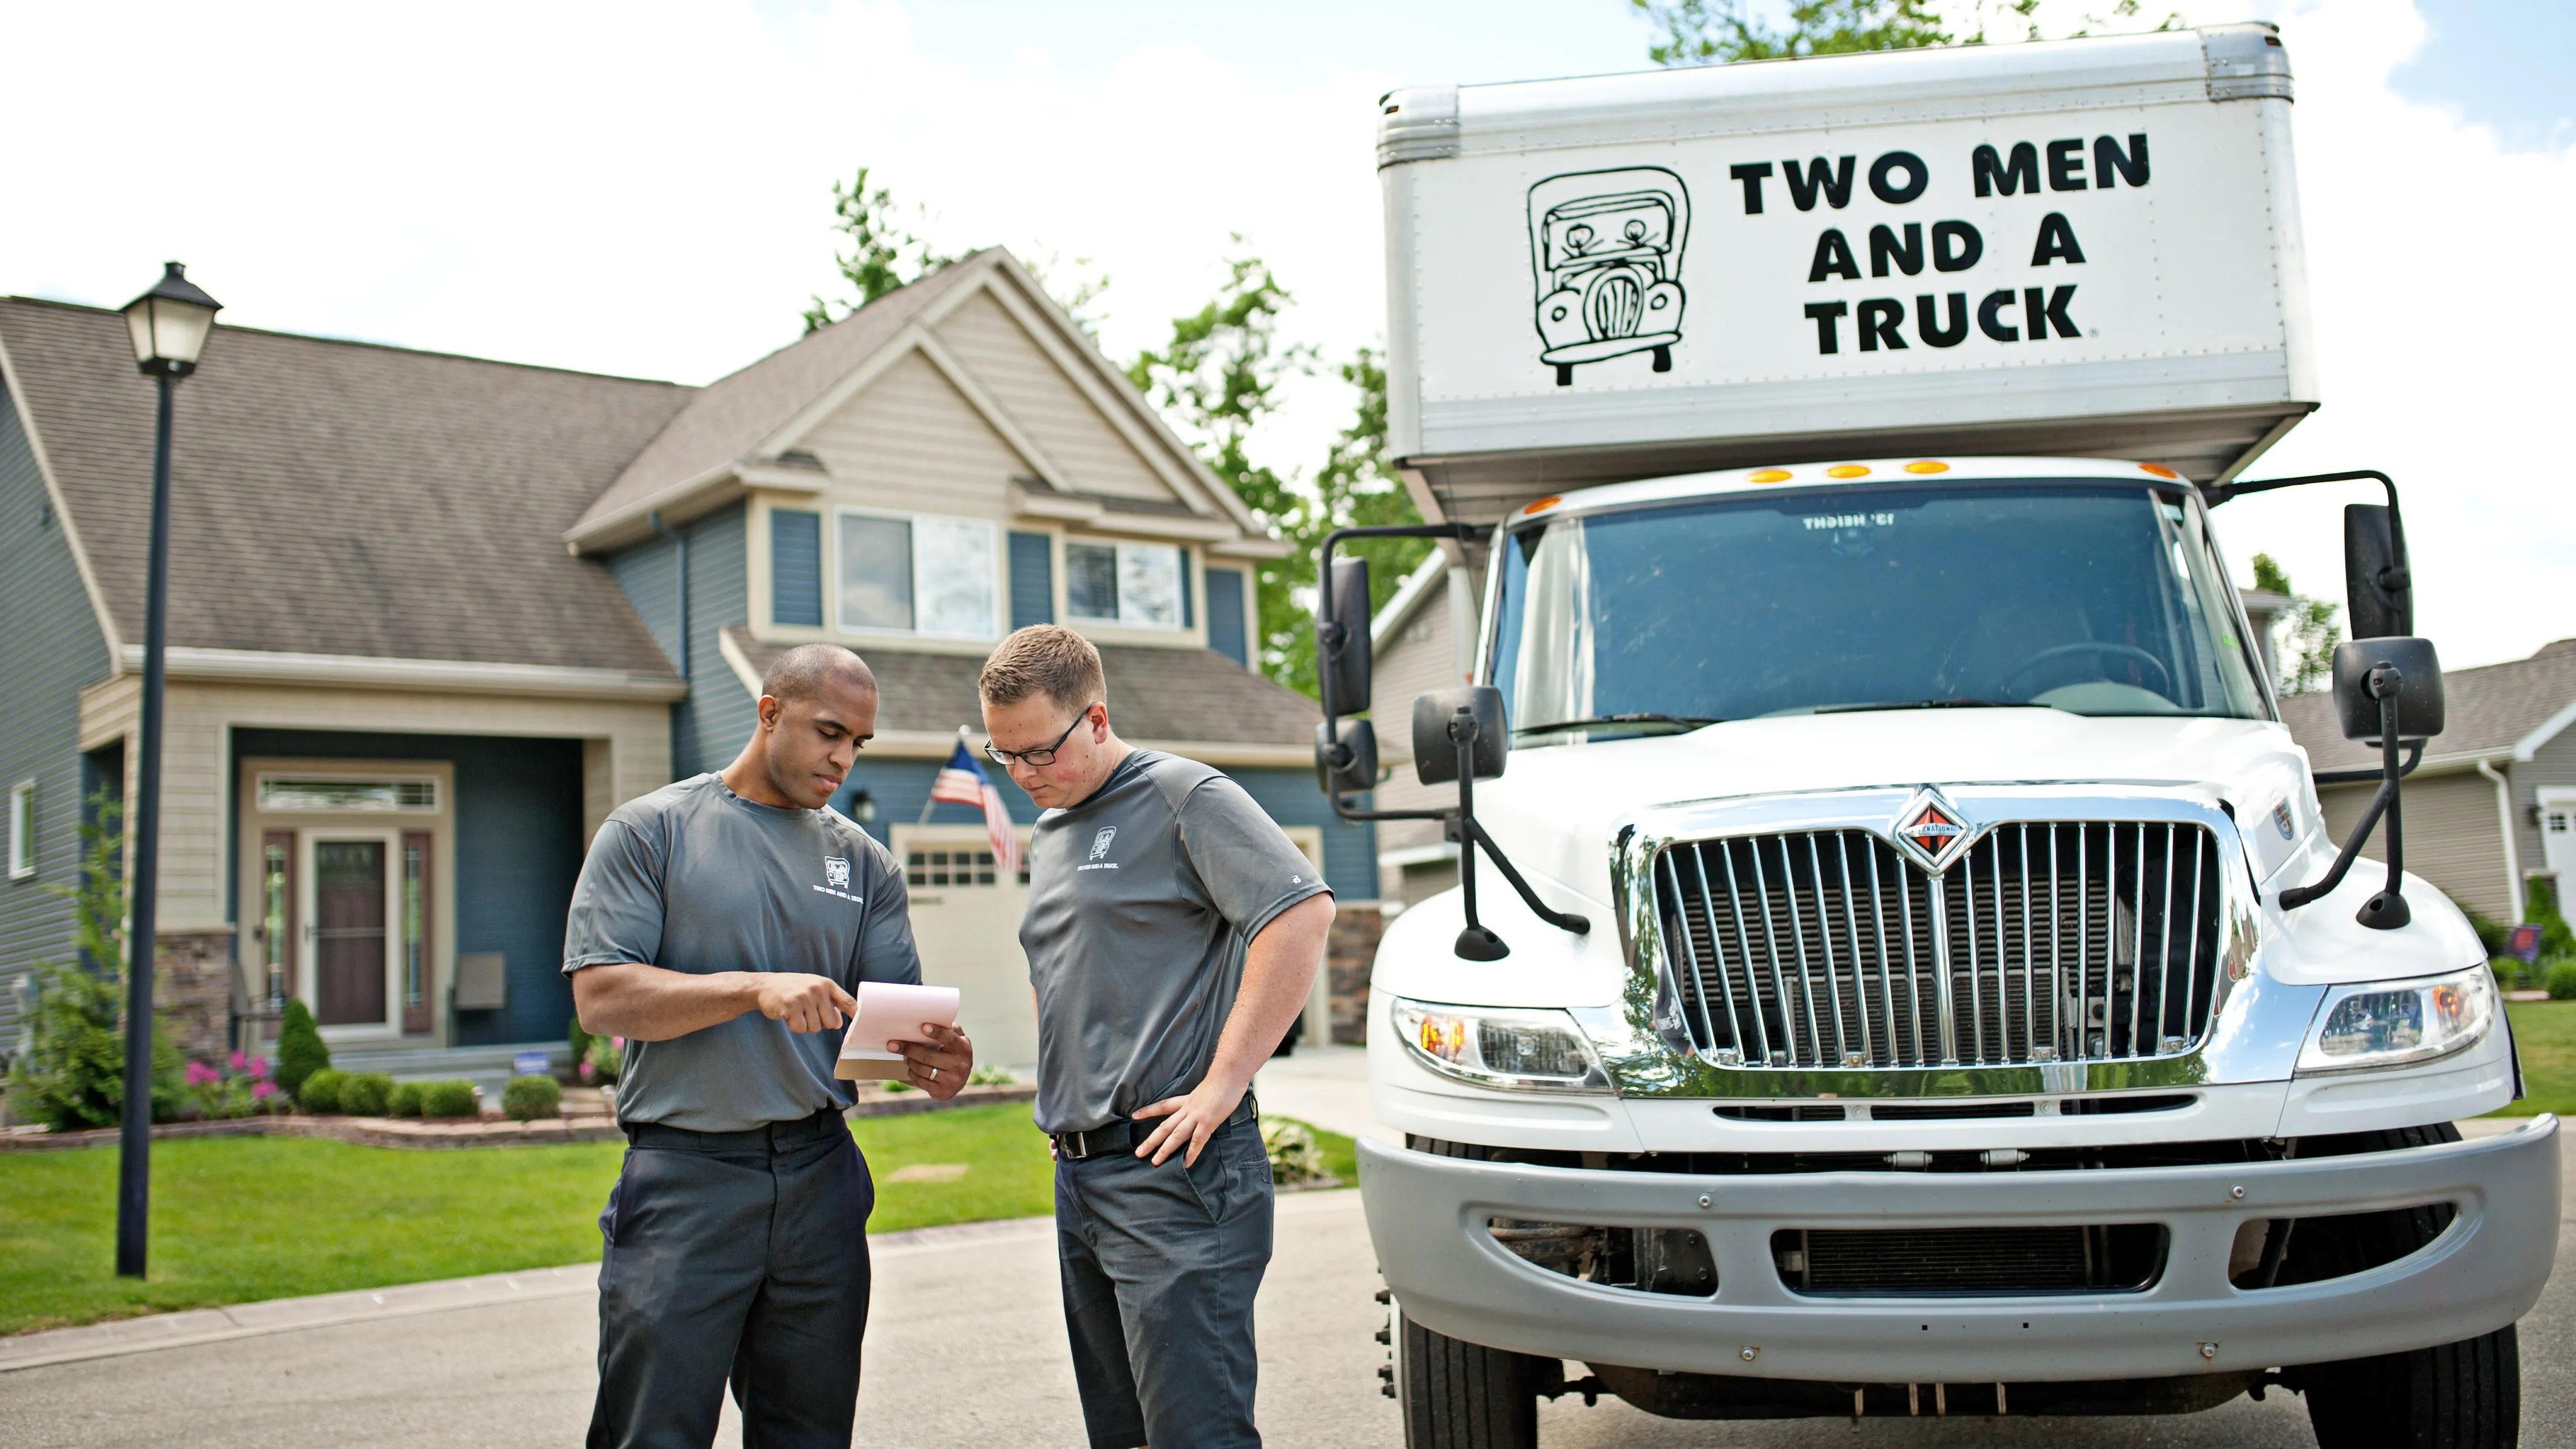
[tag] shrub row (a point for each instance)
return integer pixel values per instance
(373, 1094)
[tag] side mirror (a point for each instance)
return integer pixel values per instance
(2357, 691)
(1342, 645)
(1346, 757)
(1435, 754)
(2379, 596)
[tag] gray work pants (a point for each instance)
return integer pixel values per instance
(741, 1256)
(1160, 1266)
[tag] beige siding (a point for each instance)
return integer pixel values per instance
(2451, 835)
(201, 718)
(911, 440)
(2551, 767)
(1041, 399)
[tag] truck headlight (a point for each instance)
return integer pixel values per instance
(2392, 1023)
(1533, 1050)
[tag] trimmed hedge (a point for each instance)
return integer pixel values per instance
(528, 1098)
(300, 1052)
(404, 1101)
(321, 1090)
(366, 1094)
(449, 1099)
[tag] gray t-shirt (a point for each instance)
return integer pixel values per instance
(1141, 901)
(695, 878)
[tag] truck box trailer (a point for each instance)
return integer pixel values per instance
(1919, 979)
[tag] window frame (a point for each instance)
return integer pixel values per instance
(22, 829)
(994, 572)
(1181, 622)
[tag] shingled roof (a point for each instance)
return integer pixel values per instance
(2488, 710)
(343, 498)
(1163, 695)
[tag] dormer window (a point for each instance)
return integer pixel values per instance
(1141, 585)
(920, 573)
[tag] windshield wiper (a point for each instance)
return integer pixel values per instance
(1931, 704)
(1679, 721)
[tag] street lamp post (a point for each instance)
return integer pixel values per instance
(170, 325)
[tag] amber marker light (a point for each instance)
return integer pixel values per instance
(1847, 470)
(1768, 475)
(1926, 465)
(1544, 504)
(2160, 470)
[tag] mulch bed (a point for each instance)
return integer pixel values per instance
(492, 1130)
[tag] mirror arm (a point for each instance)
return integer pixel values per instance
(2414, 757)
(2387, 910)
(2214, 494)
(1477, 941)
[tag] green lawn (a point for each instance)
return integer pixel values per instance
(2545, 1033)
(237, 1219)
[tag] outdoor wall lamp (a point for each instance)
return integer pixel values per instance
(169, 325)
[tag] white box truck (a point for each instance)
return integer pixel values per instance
(1920, 980)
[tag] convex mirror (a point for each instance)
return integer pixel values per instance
(2419, 695)
(1435, 751)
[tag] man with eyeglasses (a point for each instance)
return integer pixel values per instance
(1173, 931)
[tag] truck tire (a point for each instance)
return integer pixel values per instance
(2465, 1395)
(1464, 1395)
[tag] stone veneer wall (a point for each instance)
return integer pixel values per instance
(193, 991)
(1349, 953)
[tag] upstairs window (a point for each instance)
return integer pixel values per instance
(22, 830)
(917, 574)
(1136, 584)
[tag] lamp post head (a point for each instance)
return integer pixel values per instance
(170, 324)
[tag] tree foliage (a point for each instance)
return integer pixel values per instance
(2307, 635)
(883, 255)
(1720, 32)
(1218, 380)
(72, 1075)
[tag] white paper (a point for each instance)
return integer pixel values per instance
(891, 1011)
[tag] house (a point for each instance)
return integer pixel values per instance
(433, 617)
(2494, 801)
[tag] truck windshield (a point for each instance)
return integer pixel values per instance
(2099, 600)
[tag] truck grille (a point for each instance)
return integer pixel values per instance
(1949, 1262)
(2045, 942)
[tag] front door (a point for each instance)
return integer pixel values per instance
(2558, 839)
(349, 932)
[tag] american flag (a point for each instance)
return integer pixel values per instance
(963, 782)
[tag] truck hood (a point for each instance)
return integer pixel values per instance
(1557, 806)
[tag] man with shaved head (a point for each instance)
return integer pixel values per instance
(722, 925)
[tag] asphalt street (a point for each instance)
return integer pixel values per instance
(966, 1347)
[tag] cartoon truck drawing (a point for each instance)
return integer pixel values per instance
(1606, 247)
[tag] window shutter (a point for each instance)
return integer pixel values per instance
(1225, 614)
(796, 568)
(1032, 580)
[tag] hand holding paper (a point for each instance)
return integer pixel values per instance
(891, 1012)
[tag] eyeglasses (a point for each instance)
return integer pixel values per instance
(1037, 759)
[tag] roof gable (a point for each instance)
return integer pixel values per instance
(341, 498)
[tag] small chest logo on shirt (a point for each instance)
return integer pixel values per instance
(1099, 848)
(836, 879)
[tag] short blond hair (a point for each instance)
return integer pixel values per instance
(1047, 659)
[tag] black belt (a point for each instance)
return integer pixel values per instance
(1124, 1134)
(775, 1137)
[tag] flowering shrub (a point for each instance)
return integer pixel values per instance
(242, 1087)
(605, 1059)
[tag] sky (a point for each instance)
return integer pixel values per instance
(644, 189)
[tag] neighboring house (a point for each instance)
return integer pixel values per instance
(2494, 801)
(433, 617)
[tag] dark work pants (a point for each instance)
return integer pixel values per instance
(740, 1255)
(1160, 1266)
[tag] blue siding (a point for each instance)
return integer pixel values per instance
(50, 649)
(709, 727)
(518, 850)
(900, 787)
(1225, 614)
(1032, 580)
(796, 567)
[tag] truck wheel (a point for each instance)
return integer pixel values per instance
(2465, 1395)
(1464, 1395)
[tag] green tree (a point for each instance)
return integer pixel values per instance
(884, 255)
(73, 1073)
(1719, 32)
(300, 1049)
(2309, 633)
(1356, 488)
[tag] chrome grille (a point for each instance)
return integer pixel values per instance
(2054, 941)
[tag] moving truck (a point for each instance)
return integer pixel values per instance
(1899, 965)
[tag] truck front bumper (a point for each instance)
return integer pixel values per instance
(1429, 1216)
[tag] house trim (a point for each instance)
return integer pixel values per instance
(445, 676)
(2529, 745)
